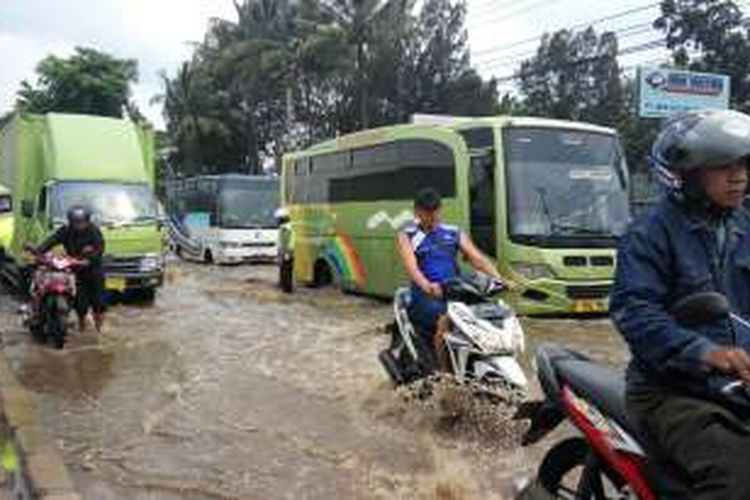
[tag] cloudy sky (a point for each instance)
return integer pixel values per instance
(158, 33)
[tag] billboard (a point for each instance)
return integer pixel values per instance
(664, 92)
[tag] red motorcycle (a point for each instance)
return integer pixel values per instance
(609, 459)
(52, 295)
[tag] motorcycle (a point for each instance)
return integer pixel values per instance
(52, 294)
(483, 342)
(610, 459)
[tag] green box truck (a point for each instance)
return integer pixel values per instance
(54, 161)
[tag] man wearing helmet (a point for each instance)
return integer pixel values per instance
(83, 240)
(696, 239)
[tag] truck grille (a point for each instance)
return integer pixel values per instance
(588, 291)
(122, 265)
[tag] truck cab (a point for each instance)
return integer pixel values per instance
(55, 161)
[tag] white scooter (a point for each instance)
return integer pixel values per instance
(485, 338)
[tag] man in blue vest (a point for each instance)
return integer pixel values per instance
(429, 249)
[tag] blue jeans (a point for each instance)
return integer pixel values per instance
(425, 311)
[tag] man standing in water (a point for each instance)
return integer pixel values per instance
(429, 250)
(82, 239)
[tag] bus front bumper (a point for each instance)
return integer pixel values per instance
(551, 297)
(248, 253)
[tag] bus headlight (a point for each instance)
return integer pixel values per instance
(532, 271)
(150, 263)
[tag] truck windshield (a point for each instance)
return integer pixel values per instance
(565, 185)
(110, 203)
(248, 204)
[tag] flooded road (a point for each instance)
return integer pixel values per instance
(226, 388)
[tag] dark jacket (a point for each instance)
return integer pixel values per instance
(74, 243)
(672, 252)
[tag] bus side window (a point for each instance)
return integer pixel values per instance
(482, 203)
(6, 204)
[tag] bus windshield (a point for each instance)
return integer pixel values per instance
(564, 185)
(248, 204)
(110, 203)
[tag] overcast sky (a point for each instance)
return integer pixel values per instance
(158, 34)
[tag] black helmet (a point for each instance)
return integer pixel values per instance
(79, 215)
(698, 140)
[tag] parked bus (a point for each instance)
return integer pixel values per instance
(545, 198)
(225, 219)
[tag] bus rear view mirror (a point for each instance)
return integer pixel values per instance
(27, 209)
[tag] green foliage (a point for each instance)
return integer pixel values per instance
(89, 82)
(710, 35)
(575, 76)
(289, 73)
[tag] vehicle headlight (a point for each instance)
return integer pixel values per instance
(150, 263)
(532, 271)
(230, 244)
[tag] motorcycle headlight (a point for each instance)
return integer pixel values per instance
(150, 263)
(532, 271)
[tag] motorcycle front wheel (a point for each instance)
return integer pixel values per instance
(570, 470)
(57, 321)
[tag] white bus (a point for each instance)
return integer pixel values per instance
(226, 219)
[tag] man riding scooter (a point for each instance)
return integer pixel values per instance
(429, 249)
(696, 239)
(82, 239)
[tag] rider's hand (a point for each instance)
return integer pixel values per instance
(434, 290)
(731, 361)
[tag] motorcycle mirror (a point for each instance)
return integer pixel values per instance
(700, 308)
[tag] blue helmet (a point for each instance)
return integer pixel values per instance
(699, 140)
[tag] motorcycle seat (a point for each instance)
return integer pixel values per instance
(603, 386)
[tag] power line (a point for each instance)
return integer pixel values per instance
(511, 14)
(626, 32)
(633, 49)
(592, 22)
(492, 6)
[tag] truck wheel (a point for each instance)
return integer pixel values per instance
(148, 295)
(286, 275)
(208, 257)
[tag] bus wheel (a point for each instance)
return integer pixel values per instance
(208, 257)
(286, 275)
(322, 275)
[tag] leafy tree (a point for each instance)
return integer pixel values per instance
(287, 73)
(196, 128)
(89, 82)
(575, 75)
(710, 35)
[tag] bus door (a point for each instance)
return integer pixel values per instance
(482, 202)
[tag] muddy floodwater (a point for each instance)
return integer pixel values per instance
(226, 388)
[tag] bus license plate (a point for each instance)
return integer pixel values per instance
(116, 284)
(587, 306)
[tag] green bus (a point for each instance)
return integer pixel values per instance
(546, 199)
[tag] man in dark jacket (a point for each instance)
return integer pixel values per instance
(83, 240)
(696, 239)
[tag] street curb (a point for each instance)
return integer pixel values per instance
(41, 472)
